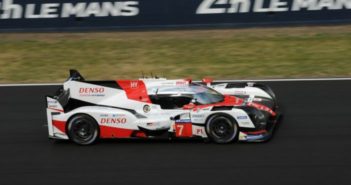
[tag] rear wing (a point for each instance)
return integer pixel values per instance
(58, 101)
(75, 75)
(53, 104)
(53, 108)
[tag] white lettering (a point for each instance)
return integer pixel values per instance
(263, 6)
(127, 8)
(92, 9)
(305, 4)
(278, 6)
(130, 8)
(320, 4)
(69, 9)
(30, 12)
(205, 7)
(11, 10)
(110, 9)
(242, 6)
(49, 10)
(343, 4)
(258, 6)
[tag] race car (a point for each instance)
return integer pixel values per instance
(223, 112)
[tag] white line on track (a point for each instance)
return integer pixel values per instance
(286, 80)
(246, 80)
(38, 84)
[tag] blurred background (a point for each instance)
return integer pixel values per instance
(41, 40)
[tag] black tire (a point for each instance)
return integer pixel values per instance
(222, 128)
(83, 129)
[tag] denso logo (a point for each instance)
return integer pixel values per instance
(92, 90)
(113, 120)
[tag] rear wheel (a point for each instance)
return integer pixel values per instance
(222, 128)
(83, 129)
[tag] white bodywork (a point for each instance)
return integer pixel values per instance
(112, 108)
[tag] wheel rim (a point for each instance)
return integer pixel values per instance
(82, 130)
(222, 129)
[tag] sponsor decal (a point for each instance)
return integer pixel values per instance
(183, 130)
(238, 92)
(264, 6)
(52, 103)
(199, 131)
(242, 117)
(245, 123)
(92, 91)
(152, 124)
(183, 121)
(117, 115)
(250, 137)
(197, 115)
(11, 10)
(53, 106)
(134, 84)
(113, 120)
(181, 83)
(167, 84)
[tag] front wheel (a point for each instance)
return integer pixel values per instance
(222, 128)
(83, 129)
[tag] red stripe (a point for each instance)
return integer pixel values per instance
(61, 125)
(183, 130)
(256, 132)
(135, 90)
(228, 101)
(113, 132)
(139, 134)
(262, 107)
(55, 109)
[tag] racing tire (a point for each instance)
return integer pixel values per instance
(83, 129)
(222, 129)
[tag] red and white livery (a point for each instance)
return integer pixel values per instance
(84, 111)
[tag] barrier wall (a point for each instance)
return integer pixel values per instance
(125, 14)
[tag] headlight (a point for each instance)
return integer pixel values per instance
(258, 117)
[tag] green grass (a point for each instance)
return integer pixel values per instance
(222, 54)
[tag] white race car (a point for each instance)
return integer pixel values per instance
(84, 111)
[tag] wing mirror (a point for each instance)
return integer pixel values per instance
(194, 101)
(191, 105)
(207, 81)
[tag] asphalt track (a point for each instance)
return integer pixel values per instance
(312, 145)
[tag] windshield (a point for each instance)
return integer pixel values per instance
(204, 95)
